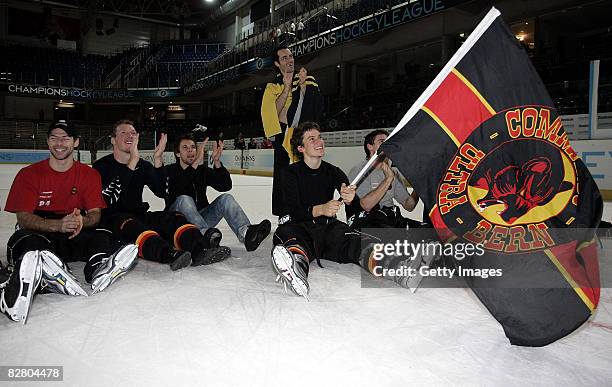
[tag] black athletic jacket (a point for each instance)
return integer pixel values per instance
(312, 106)
(304, 188)
(122, 188)
(193, 182)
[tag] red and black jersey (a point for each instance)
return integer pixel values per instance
(43, 191)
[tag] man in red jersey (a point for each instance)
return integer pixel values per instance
(58, 203)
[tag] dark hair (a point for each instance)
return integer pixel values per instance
(297, 139)
(277, 49)
(121, 122)
(369, 139)
(177, 144)
(276, 57)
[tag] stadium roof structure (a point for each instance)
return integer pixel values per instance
(160, 11)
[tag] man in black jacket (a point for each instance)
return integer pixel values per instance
(124, 175)
(186, 183)
(309, 229)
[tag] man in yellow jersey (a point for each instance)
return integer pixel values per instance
(290, 99)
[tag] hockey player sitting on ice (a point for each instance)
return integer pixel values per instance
(186, 183)
(309, 229)
(377, 189)
(57, 202)
(124, 176)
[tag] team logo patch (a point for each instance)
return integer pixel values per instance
(512, 180)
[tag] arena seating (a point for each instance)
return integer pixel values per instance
(47, 66)
(179, 61)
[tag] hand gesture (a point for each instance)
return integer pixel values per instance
(161, 145)
(347, 193)
(134, 154)
(158, 154)
(201, 147)
(302, 77)
(330, 208)
(72, 223)
(386, 168)
(217, 151)
(288, 79)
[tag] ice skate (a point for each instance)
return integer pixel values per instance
(56, 277)
(292, 269)
(19, 291)
(114, 267)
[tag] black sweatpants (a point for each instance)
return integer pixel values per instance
(281, 161)
(169, 228)
(87, 243)
(387, 217)
(379, 218)
(328, 239)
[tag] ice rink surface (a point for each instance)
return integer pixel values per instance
(231, 324)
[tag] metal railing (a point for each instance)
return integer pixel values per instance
(19, 134)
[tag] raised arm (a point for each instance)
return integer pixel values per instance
(158, 155)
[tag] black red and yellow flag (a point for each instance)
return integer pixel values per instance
(485, 149)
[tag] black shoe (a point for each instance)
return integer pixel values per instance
(212, 255)
(256, 234)
(179, 259)
(212, 237)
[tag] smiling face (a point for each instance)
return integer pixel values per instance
(284, 61)
(313, 145)
(187, 152)
(124, 137)
(61, 145)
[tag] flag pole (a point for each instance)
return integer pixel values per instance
(484, 24)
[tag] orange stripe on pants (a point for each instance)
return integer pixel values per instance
(179, 232)
(142, 238)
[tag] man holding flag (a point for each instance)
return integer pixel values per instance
(496, 168)
(309, 230)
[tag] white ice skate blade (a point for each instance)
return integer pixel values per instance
(30, 273)
(49, 260)
(283, 265)
(124, 261)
